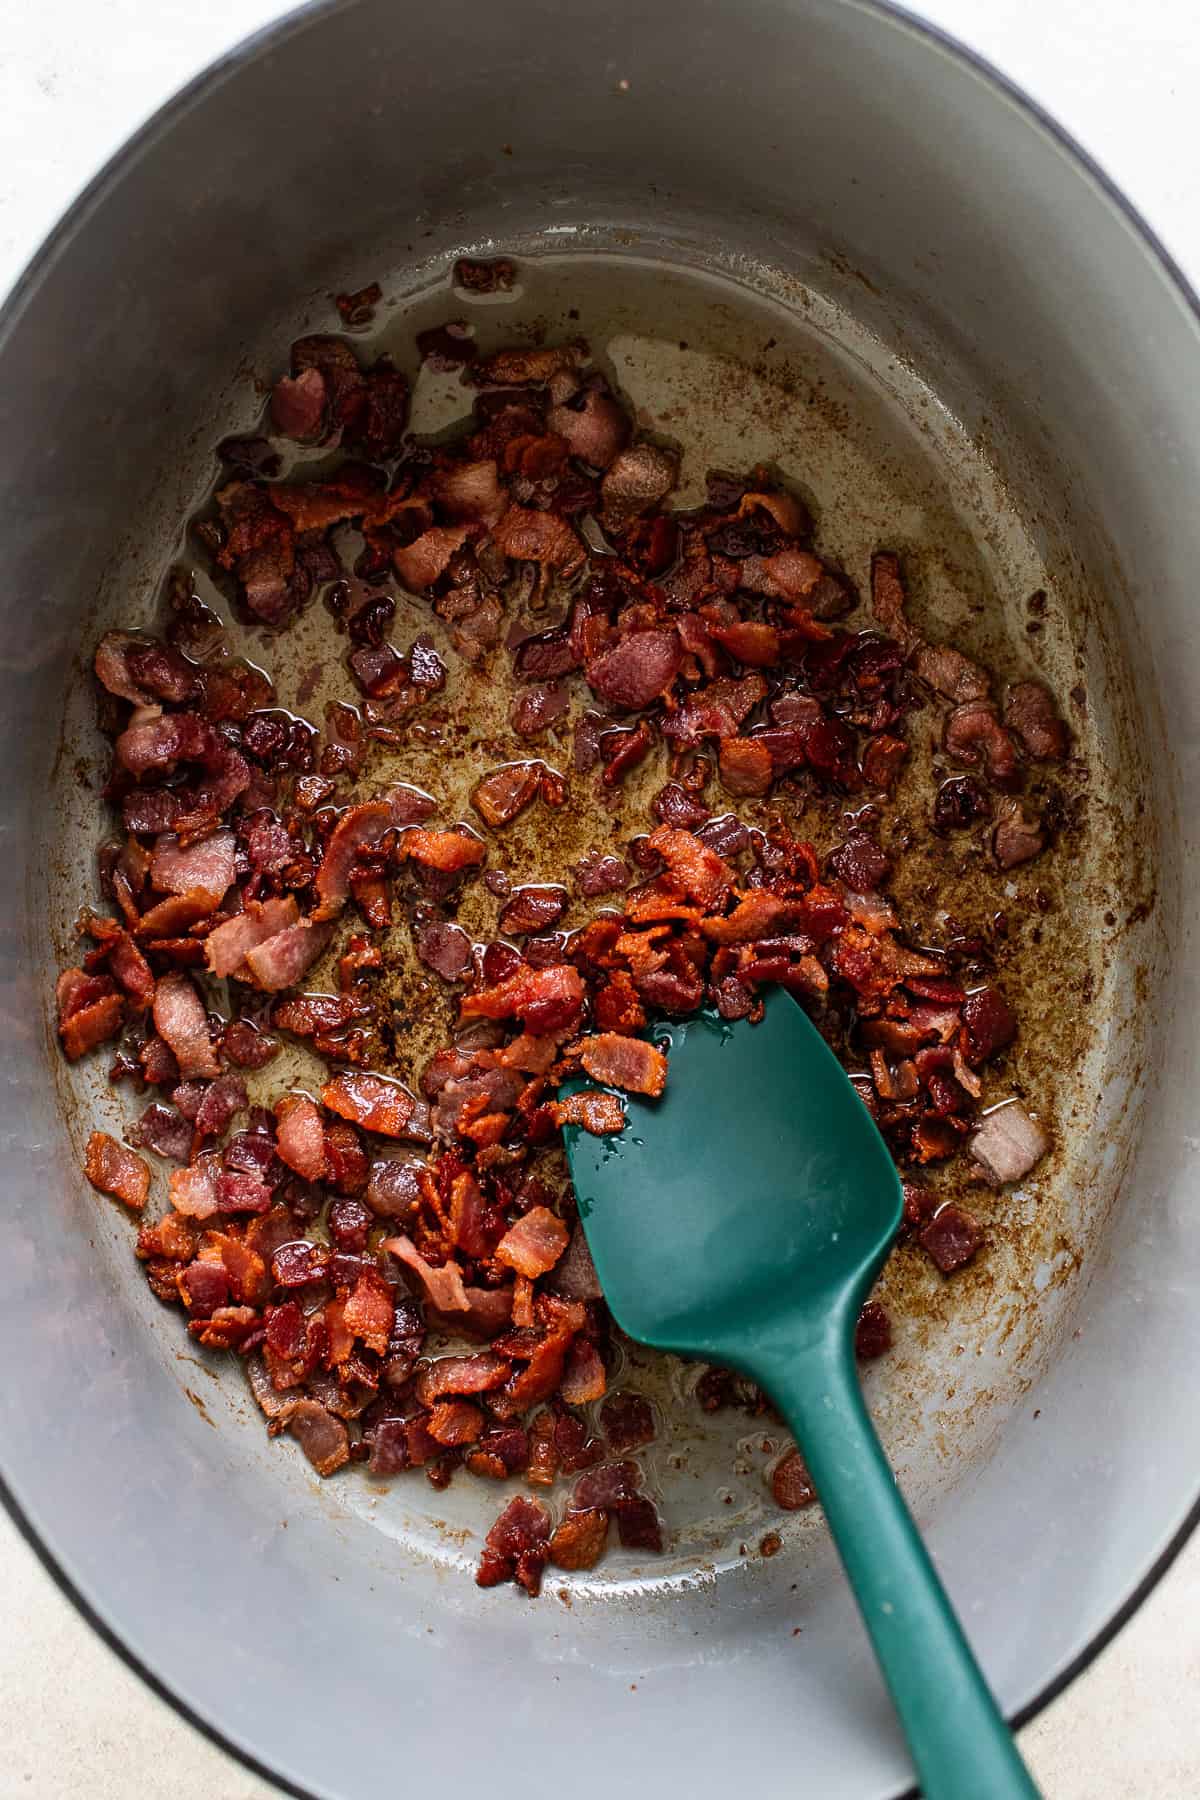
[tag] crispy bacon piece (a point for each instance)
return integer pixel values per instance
(791, 1483)
(584, 1376)
(1008, 1143)
(625, 1062)
(373, 1101)
(637, 480)
(90, 1012)
(636, 671)
(534, 1244)
(284, 959)
(951, 1237)
(323, 1439)
(370, 1310)
(209, 864)
(422, 562)
(975, 735)
(695, 869)
(544, 1000)
(516, 1547)
(359, 829)
(500, 796)
(477, 1374)
(1019, 835)
(540, 537)
(446, 851)
(599, 1113)
(300, 1140)
(1030, 712)
(577, 1543)
(180, 1020)
(443, 1285)
(115, 1170)
(227, 945)
(746, 766)
(194, 1191)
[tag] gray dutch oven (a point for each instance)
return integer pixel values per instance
(899, 281)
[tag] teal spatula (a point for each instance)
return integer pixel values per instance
(742, 1218)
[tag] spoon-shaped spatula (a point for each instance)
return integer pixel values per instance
(743, 1218)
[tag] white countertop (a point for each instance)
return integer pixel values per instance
(76, 77)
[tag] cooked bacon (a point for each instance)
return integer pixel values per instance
(84, 1026)
(478, 1374)
(323, 1439)
(746, 766)
(520, 368)
(636, 480)
(789, 574)
(445, 948)
(638, 670)
(227, 945)
(180, 1020)
(531, 909)
(951, 1237)
(469, 493)
(975, 735)
(282, 960)
(370, 1310)
(375, 1102)
(422, 562)
(625, 1062)
(194, 1191)
(540, 537)
(593, 425)
(500, 796)
(989, 1024)
(359, 829)
(1018, 836)
(696, 870)
(888, 599)
(1008, 1143)
(115, 1170)
(951, 673)
(544, 1000)
(600, 873)
(534, 1244)
(210, 865)
(446, 851)
(1030, 712)
(516, 1547)
(584, 1376)
(791, 1483)
(443, 1285)
(599, 1113)
(301, 1136)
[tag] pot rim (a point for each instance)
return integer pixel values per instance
(22, 293)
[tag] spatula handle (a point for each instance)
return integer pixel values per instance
(959, 1741)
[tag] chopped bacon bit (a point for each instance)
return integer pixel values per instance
(516, 1547)
(443, 1286)
(545, 1000)
(625, 1062)
(499, 797)
(1008, 1143)
(447, 851)
(180, 1020)
(90, 1025)
(746, 766)
(301, 1136)
(695, 869)
(322, 1438)
(579, 1540)
(598, 1113)
(791, 1483)
(373, 1101)
(115, 1170)
(951, 1237)
(370, 1310)
(534, 1244)
(637, 670)
(584, 1376)
(478, 1374)
(455, 1422)
(872, 1332)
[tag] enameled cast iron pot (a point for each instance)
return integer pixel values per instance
(899, 280)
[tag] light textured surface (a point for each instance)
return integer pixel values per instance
(76, 76)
